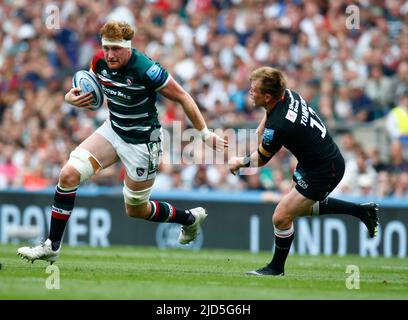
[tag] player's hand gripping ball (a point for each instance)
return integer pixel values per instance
(88, 83)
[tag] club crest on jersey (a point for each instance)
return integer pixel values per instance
(268, 135)
(104, 73)
(129, 80)
(140, 171)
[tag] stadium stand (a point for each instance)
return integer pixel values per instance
(354, 78)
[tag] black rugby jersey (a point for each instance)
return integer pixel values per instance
(296, 126)
(132, 92)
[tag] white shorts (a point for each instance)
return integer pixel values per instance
(140, 160)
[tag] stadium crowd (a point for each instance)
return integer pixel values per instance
(352, 71)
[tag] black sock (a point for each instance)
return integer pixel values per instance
(335, 206)
(283, 241)
(165, 212)
(64, 201)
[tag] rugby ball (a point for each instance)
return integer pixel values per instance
(88, 83)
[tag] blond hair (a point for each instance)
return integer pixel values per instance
(116, 31)
(272, 81)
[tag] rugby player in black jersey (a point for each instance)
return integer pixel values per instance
(130, 81)
(289, 122)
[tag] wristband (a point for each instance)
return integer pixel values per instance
(264, 158)
(205, 133)
(246, 161)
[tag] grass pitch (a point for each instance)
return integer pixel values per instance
(149, 273)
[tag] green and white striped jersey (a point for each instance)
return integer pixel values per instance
(132, 93)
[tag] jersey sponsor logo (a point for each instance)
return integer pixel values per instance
(153, 72)
(291, 116)
(302, 184)
(268, 135)
(112, 92)
(299, 180)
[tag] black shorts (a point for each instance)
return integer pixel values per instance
(317, 183)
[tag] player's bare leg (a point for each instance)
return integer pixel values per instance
(138, 205)
(86, 160)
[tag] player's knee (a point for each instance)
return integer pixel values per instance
(84, 163)
(69, 177)
(136, 201)
(281, 220)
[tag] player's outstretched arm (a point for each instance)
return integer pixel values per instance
(175, 92)
(236, 163)
(252, 160)
(77, 99)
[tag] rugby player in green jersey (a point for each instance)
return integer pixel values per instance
(132, 134)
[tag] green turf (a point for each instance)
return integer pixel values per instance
(151, 273)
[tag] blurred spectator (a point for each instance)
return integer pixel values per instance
(67, 41)
(253, 182)
(400, 80)
(363, 108)
(176, 177)
(397, 119)
(399, 162)
(359, 176)
(200, 180)
(379, 90)
(34, 179)
(348, 146)
(9, 170)
(385, 185)
(401, 187)
(342, 106)
(365, 186)
(378, 164)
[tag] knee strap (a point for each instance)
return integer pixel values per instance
(84, 162)
(135, 198)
